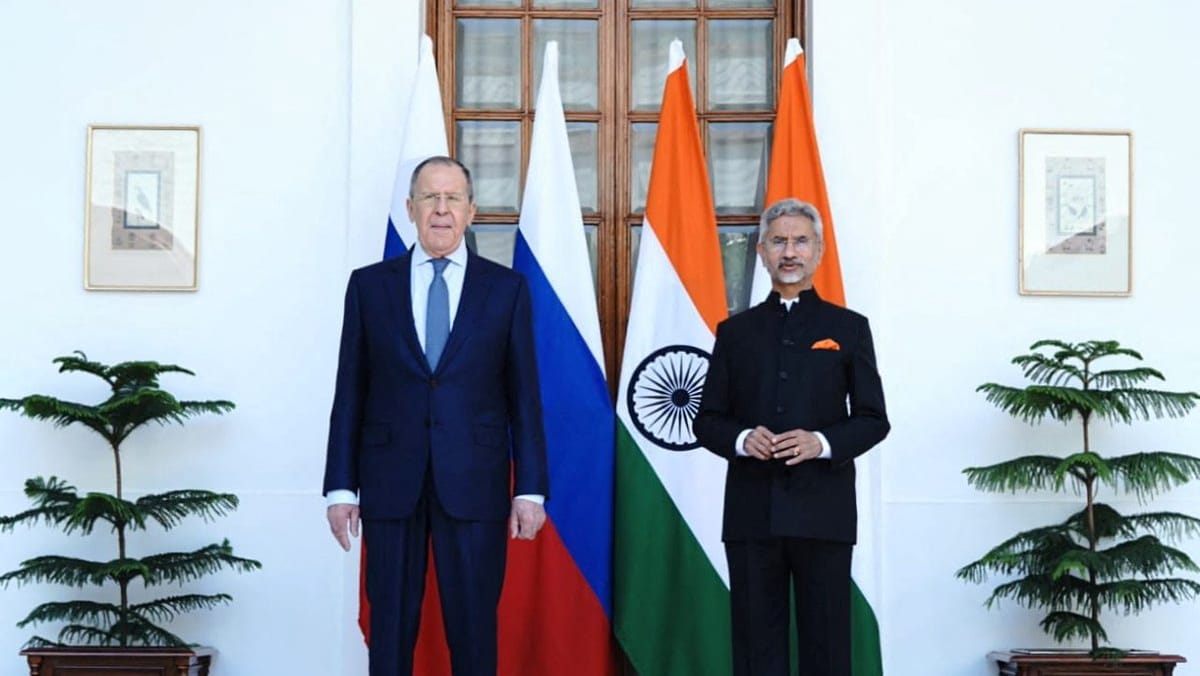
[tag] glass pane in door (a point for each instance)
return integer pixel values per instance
(487, 63)
(738, 157)
(650, 59)
(578, 60)
(492, 151)
(584, 138)
(740, 65)
(641, 151)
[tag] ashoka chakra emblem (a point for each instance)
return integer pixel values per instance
(664, 395)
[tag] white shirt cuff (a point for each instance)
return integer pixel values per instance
(740, 445)
(344, 497)
(340, 497)
(826, 451)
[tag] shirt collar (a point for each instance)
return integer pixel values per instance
(458, 256)
(806, 300)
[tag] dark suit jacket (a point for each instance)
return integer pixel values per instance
(766, 371)
(394, 419)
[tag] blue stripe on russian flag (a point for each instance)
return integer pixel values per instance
(579, 425)
(392, 244)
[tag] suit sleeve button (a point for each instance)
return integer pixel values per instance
(779, 409)
(783, 375)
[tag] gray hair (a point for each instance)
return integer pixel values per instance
(444, 161)
(790, 206)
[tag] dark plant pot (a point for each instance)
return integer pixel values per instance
(118, 661)
(1079, 663)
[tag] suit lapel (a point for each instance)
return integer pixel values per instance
(470, 306)
(399, 291)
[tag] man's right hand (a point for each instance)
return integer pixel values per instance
(758, 443)
(343, 522)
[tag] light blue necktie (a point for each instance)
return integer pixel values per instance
(437, 314)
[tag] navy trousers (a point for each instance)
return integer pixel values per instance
(759, 575)
(469, 559)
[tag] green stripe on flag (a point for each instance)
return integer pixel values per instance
(671, 608)
(865, 656)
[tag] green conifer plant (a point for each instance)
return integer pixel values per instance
(136, 399)
(1097, 558)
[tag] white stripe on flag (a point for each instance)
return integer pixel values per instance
(551, 218)
(424, 136)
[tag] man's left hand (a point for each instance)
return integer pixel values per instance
(795, 446)
(526, 520)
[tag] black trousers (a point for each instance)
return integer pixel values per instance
(759, 575)
(469, 558)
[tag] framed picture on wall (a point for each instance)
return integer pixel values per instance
(1076, 212)
(141, 215)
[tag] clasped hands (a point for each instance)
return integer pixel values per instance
(794, 446)
(524, 522)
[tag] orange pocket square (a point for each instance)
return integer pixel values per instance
(826, 344)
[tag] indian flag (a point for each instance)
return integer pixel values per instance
(671, 583)
(796, 172)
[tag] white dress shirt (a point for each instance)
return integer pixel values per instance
(420, 276)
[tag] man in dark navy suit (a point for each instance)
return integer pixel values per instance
(792, 396)
(436, 397)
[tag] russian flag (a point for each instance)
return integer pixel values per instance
(556, 608)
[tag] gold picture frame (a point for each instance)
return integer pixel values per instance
(1076, 213)
(141, 208)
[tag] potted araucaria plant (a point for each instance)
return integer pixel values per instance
(1095, 558)
(125, 633)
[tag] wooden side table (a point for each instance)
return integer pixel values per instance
(1079, 663)
(86, 661)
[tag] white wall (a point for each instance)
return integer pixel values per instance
(918, 104)
(270, 83)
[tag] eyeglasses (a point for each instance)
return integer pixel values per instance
(453, 199)
(779, 244)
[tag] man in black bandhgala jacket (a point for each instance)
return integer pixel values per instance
(792, 397)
